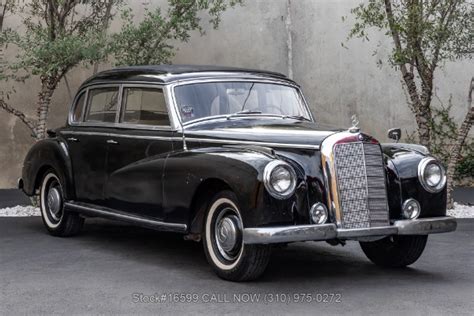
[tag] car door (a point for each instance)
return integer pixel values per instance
(95, 111)
(137, 151)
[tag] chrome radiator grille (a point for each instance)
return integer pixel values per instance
(361, 184)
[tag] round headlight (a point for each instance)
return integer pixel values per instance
(279, 179)
(431, 175)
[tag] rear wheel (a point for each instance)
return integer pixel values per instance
(395, 251)
(223, 242)
(57, 221)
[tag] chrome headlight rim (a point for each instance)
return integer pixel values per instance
(267, 174)
(425, 162)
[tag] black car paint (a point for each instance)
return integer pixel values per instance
(159, 174)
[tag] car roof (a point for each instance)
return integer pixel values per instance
(173, 73)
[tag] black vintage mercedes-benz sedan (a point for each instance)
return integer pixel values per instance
(235, 158)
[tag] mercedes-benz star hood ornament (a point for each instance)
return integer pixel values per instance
(355, 124)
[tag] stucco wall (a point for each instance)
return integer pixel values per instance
(337, 81)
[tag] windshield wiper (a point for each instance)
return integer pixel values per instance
(297, 117)
(245, 112)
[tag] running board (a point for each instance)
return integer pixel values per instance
(108, 213)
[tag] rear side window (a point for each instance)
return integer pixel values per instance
(102, 105)
(79, 108)
(145, 106)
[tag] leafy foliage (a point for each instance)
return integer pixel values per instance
(445, 133)
(152, 40)
(430, 30)
(59, 35)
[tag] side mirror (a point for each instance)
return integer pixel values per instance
(395, 134)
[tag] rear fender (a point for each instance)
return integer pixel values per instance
(51, 153)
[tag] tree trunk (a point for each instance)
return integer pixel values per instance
(421, 111)
(44, 102)
(458, 145)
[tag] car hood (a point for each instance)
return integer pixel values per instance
(287, 132)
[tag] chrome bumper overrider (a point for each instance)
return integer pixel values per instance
(272, 235)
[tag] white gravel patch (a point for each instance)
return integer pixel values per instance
(459, 211)
(20, 211)
(462, 211)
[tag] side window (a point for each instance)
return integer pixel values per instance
(145, 106)
(78, 108)
(102, 105)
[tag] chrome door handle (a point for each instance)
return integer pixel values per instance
(72, 139)
(111, 141)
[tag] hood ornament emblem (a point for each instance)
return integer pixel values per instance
(355, 124)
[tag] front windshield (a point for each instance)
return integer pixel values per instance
(200, 100)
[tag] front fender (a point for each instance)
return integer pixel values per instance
(48, 153)
(402, 163)
(239, 169)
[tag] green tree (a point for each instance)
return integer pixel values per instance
(59, 35)
(62, 34)
(425, 34)
(153, 39)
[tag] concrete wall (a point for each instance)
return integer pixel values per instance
(302, 37)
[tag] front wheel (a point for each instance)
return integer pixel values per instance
(57, 221)
(395, 251)
(230, 258)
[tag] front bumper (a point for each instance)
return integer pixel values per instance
(272, 235)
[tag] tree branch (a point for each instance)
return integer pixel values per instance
(27, 121)
(456, 149)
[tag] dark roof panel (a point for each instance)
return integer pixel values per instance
(170, 73)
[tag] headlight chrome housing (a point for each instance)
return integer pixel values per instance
(431, 174)
(279, 179)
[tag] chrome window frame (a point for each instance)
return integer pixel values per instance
(174, 122)
(144, 126)
(183, 125)
(83, 121)
(75, 104)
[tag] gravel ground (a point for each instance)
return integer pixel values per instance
(459, 211)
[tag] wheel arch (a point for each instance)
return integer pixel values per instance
(204, 192)
(43, 156)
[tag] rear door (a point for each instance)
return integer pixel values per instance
(96, 112)
(137, 151)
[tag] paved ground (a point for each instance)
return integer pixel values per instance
(100, 270)
(13, 197)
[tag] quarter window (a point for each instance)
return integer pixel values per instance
(145, 106)
(102, 105)
(79, 108)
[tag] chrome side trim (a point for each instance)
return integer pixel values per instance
(121, 216)
(244, 142)
(272, 235)
(424, 226)
(190, 139)
(105, 134)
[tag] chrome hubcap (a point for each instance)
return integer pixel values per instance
(228, 235)
(54, 201)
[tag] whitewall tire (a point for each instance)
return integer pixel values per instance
(223, 242)
(56, 220)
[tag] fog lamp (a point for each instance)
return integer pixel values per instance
(411, 209)
(319, 213)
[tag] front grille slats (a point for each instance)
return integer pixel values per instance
(360, 179)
